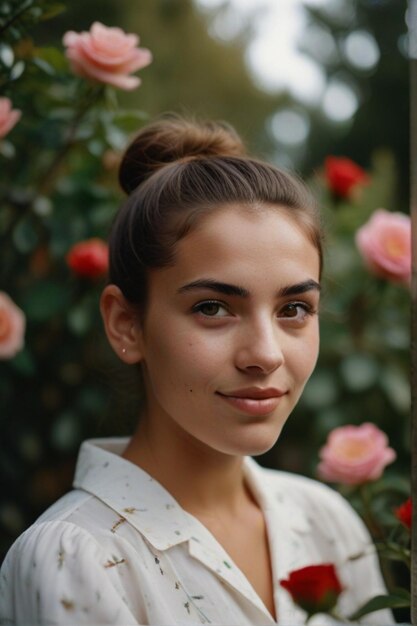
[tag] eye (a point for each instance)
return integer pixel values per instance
(210, 308)
(297, 311)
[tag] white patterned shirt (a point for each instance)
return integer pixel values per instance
(120, 550)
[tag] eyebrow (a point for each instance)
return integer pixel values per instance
(236, 290)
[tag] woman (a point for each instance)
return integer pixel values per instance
(215, 264)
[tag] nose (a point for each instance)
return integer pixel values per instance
(259, 349)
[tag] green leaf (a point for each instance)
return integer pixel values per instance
(79, 320)
(7, 149)
(360, 371)
(64, 114)
(25, 237)
(44, 66)
(391, 483)
(24, 363)
(43, 300)
(391, 601)
(116, 138)
(65, 431)
(84, 131)
(17, 70)
(5, 8)
(42, 206)
(6, 55)
(53, 57)
(400, 592)
(53, 10)
(396, 385)
(321, 390)
(96, 147)
(35, 13)
(394, 552)
(129, 121)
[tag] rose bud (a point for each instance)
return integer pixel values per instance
(314, 588)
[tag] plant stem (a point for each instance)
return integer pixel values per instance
(375, 529)
(15, 16)
(47, 179)
(377, 533)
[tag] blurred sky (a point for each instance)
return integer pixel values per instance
(273, 55)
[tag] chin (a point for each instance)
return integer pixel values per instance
(258, 441)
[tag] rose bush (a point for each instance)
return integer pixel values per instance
(55, 192)
(314, 588)
(106, 55)
(343, 175)
(8, 116)
(12, 327)
(355, 454)
(89, 258)
(385, 244)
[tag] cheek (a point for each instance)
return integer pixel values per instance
(304, 356)
(183, 360)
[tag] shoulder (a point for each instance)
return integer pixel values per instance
(44, 548)
(57, 570)
(67, 565)
(78, 528)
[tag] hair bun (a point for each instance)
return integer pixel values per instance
(173, 138)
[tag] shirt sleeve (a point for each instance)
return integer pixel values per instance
(56, 573)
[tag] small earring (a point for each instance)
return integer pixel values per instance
(123, 350)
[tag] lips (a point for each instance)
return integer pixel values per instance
(254, 400)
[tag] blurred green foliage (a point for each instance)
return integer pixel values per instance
(58, 185)
(382, 119)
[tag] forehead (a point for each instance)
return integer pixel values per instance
(248, 247)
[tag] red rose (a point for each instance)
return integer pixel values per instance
(404, 513)
(315, 588)
(89, 258)
(343, 174)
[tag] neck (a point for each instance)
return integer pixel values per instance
(203, 481)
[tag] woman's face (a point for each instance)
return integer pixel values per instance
(231, 330)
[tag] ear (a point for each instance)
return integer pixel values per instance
(122, 325)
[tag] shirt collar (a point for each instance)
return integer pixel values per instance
(131, 492)
(150, 508)
(273, 494)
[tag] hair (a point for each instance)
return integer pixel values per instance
(175, 172)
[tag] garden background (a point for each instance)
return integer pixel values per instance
(58, 187)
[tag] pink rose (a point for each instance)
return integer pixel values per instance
(107, 55)
(8, 116)
(12, 327)
(385, 244)
(355, 454)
